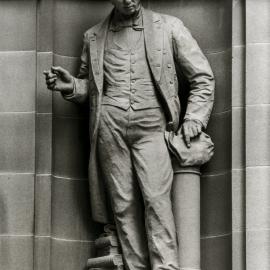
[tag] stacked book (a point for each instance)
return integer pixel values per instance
(108, 252)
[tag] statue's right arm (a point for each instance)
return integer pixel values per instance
(81, 82)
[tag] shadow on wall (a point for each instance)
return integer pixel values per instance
(5, 245)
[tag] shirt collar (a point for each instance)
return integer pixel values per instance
(118, 21)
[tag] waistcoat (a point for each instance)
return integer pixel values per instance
(127, 75)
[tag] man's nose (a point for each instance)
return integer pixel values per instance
(127, 2)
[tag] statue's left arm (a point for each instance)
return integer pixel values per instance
(195, 67)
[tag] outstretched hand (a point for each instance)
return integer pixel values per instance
(59, 79)
(191, 129)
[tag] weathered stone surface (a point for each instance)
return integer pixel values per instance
(16, 252)
(18, 25)
(43, 205)
(17, 82)
(70, 255)
(44, 96)
(70, 135)
(16, 204)
(43, 143)
(71, 215)
(17, 142)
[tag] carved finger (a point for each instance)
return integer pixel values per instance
(186, 135)
(59, 70)
(52, 80)
(193, 131)
(51, 86)
(57, 87)
(199, 128)
(52, 76)
(49, 75)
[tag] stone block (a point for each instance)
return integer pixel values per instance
(44, 96)
(70, 255)
(17, 142)
(258, 69)
(238, 251)
(16, 204)
(217, 253)
(219, 129)
(18, 25)
(216, 205)
(238, 11)
(43, 143)
(257, 198)
(238, 201)
(73, 19)
(258, 30)
(17, 81)
(221, 64)
(43, 205)
(257, 135)
(71, 214)
(16, 253)
(238, 78)
(45, 25)
(210, 22)
(62, 107)
(70, 135)
(42, 253)
(238, 138)
(72, 64)
(258, 249)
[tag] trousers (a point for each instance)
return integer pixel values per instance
(138, 173)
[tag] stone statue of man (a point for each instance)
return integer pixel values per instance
(128, 74)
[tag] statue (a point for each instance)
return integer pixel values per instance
(129, 74)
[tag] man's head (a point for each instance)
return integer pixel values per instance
(127, 7)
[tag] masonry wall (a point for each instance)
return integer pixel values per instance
(45, 221)
(17, 132)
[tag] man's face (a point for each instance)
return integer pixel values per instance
(126, 7)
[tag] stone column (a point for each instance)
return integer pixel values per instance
(257, 134)
(238, 136)
(186, 205)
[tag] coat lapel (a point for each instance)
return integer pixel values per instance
(153, 34)
(97, 46)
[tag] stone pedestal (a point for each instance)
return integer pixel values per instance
(186, 207)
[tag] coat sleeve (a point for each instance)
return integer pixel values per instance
(195, 67)
(81, 82)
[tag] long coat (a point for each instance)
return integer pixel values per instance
(168, 44)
